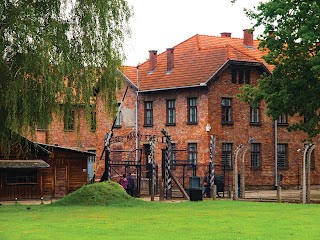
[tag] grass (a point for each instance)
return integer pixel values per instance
(158, 220)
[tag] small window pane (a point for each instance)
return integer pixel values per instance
(192, 153)
(226, 154)
(148, 114)
(193, 114)
(255, 155)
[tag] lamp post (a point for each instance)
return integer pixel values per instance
(235, 170)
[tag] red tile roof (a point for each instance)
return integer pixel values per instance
(196, 61)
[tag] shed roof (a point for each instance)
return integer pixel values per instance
(34, 163)
(49, 146)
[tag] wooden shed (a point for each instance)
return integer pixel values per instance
(45, 171)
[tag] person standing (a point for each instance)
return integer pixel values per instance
(206, 186)
(130, 187)
(123, 181)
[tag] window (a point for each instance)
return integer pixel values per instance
(148, 113)
(192, 153)
(282, 157)
(283, 119)
(247, 76)
(192, 111)
(93, 123)
(171, 112)
(254, 115)
(117, 123)
(22, 176)
(69, 121)
(91, 163)
(42, 126)
(240, 75)
(255, 155)
(226, 110)
(226, 154)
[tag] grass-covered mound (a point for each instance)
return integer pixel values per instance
(99, 194)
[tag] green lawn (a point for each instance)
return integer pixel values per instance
(220, 219)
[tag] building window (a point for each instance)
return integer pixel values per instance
(255, 155)
(22, 176)
(93, 123)
(42, 126)
(226, 154)
(69, 121)
(192, 153)
(171, 112)
(117, 123)
(148, 113)
(240, 75)
(247, 73)
(91, 165)
(283, 119)
(192, 111)
(226, 110)
(282, 158)
(255, 115)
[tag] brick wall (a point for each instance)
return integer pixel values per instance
(209, 112)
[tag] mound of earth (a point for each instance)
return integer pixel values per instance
(97, 194)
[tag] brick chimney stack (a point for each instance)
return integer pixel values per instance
(152, 60)
(226, 34)
(248, 37)
(170, 59)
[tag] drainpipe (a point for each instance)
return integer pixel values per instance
(276, 153)
(137, 113)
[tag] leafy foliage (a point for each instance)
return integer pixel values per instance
(54, 52)
(291, 39)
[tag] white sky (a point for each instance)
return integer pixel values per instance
(161, 24)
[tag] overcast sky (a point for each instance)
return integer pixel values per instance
(161, 24)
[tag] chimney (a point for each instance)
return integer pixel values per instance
(152, 60)
(226, 34)
(248, 37)
(170, 59)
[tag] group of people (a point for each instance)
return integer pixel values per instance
(127, 182)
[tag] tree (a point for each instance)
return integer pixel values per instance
(291, 40)
(54, 52)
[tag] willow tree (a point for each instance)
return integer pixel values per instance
(57, 52)
(291, 40)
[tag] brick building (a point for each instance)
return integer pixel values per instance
(190, 91)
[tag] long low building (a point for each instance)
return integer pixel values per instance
(46, 171)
